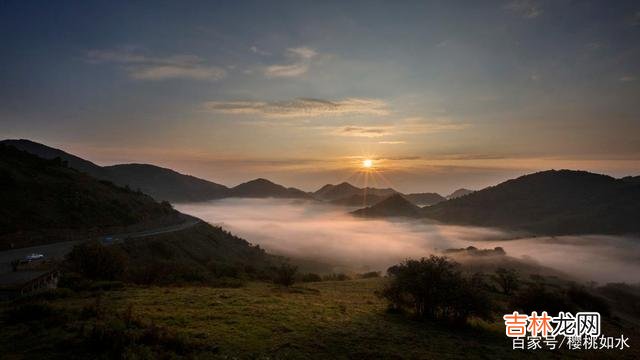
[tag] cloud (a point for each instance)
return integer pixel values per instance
(362, 131)
(408, 126)
(397, 142)
(292, 70)
(627, 78)
(300, 107)
(256, 50)
(300, 62)
(142, 67)
(528, 9)
(302, 52)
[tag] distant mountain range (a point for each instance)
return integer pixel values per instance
(166, 184)
(549, 202)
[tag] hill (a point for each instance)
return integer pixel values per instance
(394, 205)
(458, 193)
(422, 199)
(165, 184)
(345, 190)
(549, 202)
(41, 196)
(263, 188)
(160, 183)
(358, 200)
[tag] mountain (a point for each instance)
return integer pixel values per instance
(549, 202)
(394, 205)
(358, 200)
(165, 184)
(263, 188)
(459, 193)
(331, 192)
(422, 199)
(46, 196)
(161, 183)
(47, 152)
(345, 190)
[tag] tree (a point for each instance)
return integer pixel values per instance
(434, 288)
(507, 279)
(96, 261)
(285, 274)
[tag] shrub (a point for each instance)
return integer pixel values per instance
(35, 311)
(507, 279)
(537, 297)
(310, 277)
(285, 274)
(588, 301)
(96, 261)
(433, 288)
(336, 277)
(369, 275)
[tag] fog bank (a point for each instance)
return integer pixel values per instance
(304, 229)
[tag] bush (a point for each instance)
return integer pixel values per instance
(285, 274)
(537, 297)
(433, 288)
(588, 301)
(336, 277)
(369, 275)
(507, 279)
(311, 277)
(35, 311)
(96, 261)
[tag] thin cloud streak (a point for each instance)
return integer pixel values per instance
(142, 67)
(301, 61)
(300, 107)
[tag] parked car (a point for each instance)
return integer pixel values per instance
(33, 257)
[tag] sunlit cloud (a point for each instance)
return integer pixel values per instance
(362, 131)
(300, 62)
(143, 67)
(300, 107)
(528, 9)
(396, 142)
(412, 125)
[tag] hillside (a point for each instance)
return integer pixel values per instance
(358, 200)
(394, 205)
(345, 190)
(46, 196)
(165, 184)
(422, 199)
(549, 202)
(459, 193)
(263, 188)
(160, 183)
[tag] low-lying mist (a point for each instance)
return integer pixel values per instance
(328, 234)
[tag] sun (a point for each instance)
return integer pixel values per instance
(367, 163)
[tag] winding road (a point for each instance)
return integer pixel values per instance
(59, 250)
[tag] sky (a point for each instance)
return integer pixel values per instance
(439, 94)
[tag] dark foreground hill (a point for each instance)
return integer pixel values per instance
(549, 202)
(46, 196)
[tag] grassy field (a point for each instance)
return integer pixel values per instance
(324, 320)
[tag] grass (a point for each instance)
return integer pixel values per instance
(337, 320)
